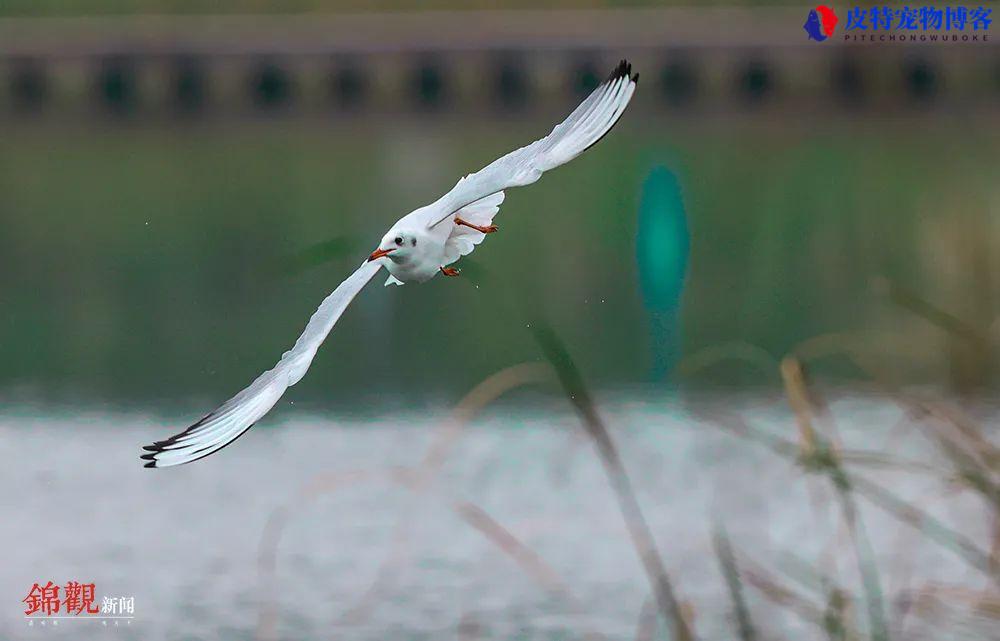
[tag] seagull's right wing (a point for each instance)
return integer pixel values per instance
(237, 415)
(581, 130)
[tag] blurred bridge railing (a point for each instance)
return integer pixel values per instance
(697, 61)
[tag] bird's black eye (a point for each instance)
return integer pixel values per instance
(413, 242)
(399, 240)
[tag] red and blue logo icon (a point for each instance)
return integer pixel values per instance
(820, 23)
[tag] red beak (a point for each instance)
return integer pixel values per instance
(379, 253)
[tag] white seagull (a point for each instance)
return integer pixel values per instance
(420, 244)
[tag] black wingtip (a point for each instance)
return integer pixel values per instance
(160, 446)
(623, 70)
(635, 78)
(149, 458)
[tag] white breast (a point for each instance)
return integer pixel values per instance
(421, 264)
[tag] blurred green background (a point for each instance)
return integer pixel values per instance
(147, 257)
(142, 262)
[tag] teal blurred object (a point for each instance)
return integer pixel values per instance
(662, 247)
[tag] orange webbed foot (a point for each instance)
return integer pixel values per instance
(450, 271)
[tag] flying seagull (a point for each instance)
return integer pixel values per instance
(419, 246)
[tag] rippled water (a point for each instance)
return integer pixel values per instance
(185, 542)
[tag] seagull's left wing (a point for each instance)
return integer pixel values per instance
(583, 128)
(237, 415)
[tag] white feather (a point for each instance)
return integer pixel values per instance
(233, 418)
(586, 125)
(462, 239)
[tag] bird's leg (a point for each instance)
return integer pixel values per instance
(486, 230)
(449, 271)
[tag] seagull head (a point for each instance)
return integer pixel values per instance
(398, 245)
